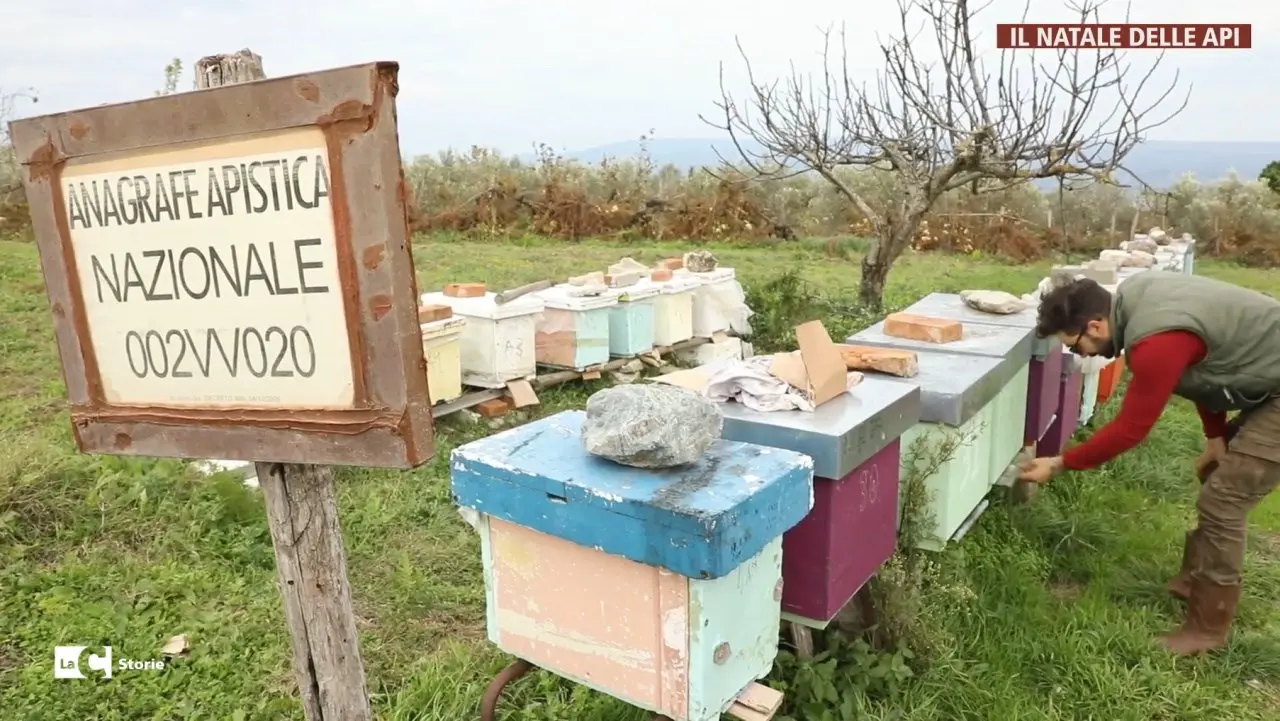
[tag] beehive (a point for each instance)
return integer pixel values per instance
(573, 330)
(1011, 345)
(673, 310)
(631, 321)
(852, 529)
(960, 397)
(1046, 355)
(718, 301)
(1109, 378)
(1064, 424)
(442, 349)
(497, 342)
(1088, 393)
(660, 588)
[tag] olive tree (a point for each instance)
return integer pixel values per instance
(944, 115)
(1271, 176)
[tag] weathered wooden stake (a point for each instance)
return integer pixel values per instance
(311, 561)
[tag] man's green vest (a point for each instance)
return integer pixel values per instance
(1241, 328)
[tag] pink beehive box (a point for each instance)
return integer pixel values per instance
(852, 529)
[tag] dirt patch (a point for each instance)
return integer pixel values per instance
(1267, 545)
(8, 658)
(1269, 692)
(1065, 590)
(430, 629)
(456, 627)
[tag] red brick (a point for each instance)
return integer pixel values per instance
(661, 275)
(923, 328)
(901, 363)
(493, 407)
(464, 290)
(429, 313)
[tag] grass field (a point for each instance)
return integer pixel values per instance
(1043, 612)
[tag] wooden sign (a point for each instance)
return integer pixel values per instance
(230, 274)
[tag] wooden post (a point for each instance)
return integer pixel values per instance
(802, 639)
(311, 561)
(217, 70)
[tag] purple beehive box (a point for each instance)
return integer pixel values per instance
(849, 534)
(1044, 393)
(852, 529)
(1064, 422)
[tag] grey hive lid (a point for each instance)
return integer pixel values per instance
(839, 435)
(1008, 345)
(983, 339)
(953, 387)
(951, 307)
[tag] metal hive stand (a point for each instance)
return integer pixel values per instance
(515, 671)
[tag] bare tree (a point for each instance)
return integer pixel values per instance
(944, 123)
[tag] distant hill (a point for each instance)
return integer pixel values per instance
(1158, 162)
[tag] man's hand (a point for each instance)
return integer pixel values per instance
(1040, 470)
(1214, 450)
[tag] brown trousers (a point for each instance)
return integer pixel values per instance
(1248, 472)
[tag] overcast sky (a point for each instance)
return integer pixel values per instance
(571, 73)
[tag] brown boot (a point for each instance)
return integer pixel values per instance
(1210, 610)
(1180, 586)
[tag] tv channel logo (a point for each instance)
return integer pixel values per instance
(66, 661)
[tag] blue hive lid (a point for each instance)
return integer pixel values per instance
(700, 520)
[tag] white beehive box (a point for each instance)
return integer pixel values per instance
(719, 303)
(673, 310)
(442, 348)
(498, 341)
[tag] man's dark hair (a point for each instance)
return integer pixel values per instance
(1069, 307)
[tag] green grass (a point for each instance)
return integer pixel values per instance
(1044, 612)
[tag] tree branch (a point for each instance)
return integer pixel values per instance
(945, 123)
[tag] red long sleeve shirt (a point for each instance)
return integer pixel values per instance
(1155, 363)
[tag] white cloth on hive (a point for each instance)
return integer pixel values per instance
(750, 383)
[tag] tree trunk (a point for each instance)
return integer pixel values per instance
(877, 262)
(871, 287)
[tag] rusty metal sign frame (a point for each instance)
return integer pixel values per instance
(390, 424)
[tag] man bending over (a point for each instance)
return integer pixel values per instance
(1217, 345)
